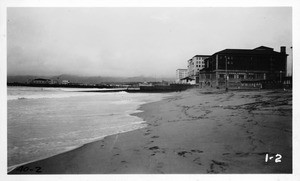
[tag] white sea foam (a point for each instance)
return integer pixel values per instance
(22, 93)
(55, 123)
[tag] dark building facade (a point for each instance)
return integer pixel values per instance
(236, 68)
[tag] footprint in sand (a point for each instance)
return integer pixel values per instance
(182, 153)
(262, 142)
(154, 148)
(225, 153)
(242, 154)
(155, 124)
(197, 151)
(197, 161)
(217, 166)
(116, 148)
(249, 132)
(160, 165)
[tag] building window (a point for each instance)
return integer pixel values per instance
(231, 76)
(250, 76)
(221, 75)
(241, 76)
(259, 76)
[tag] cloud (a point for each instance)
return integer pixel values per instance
(134, 41)
(162, 18)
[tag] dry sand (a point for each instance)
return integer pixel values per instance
(192, 132)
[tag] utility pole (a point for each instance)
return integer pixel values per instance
(292, 61)
(226, 81)
(280, 76)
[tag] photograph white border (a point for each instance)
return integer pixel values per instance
(147, 3)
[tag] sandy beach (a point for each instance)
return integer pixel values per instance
(193, 131)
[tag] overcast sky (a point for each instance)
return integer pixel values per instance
(134, 41)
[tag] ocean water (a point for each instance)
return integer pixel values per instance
(43, 122)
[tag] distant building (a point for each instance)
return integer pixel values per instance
(187, 80)
(41, 81)
(145, 84)
(180, 74)
(196, 64)
(65, 82)
(237, 68)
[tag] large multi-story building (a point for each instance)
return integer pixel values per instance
(180, 74)
(235, 68)
(196, 64)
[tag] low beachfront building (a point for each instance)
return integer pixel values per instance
(41, 81)
(187, 80)
(180, 74)
(196, 64)
(65, 82)
(248, 68)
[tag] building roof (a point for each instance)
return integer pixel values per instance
(263, 48)
(187, 78)
(201, 56)
(258, 50)
(40, 79)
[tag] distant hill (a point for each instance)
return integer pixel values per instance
(87, 80)
(22, 78)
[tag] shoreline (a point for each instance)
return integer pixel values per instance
(190, 132)
(136, 111)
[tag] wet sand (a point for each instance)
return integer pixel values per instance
(191, 132)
